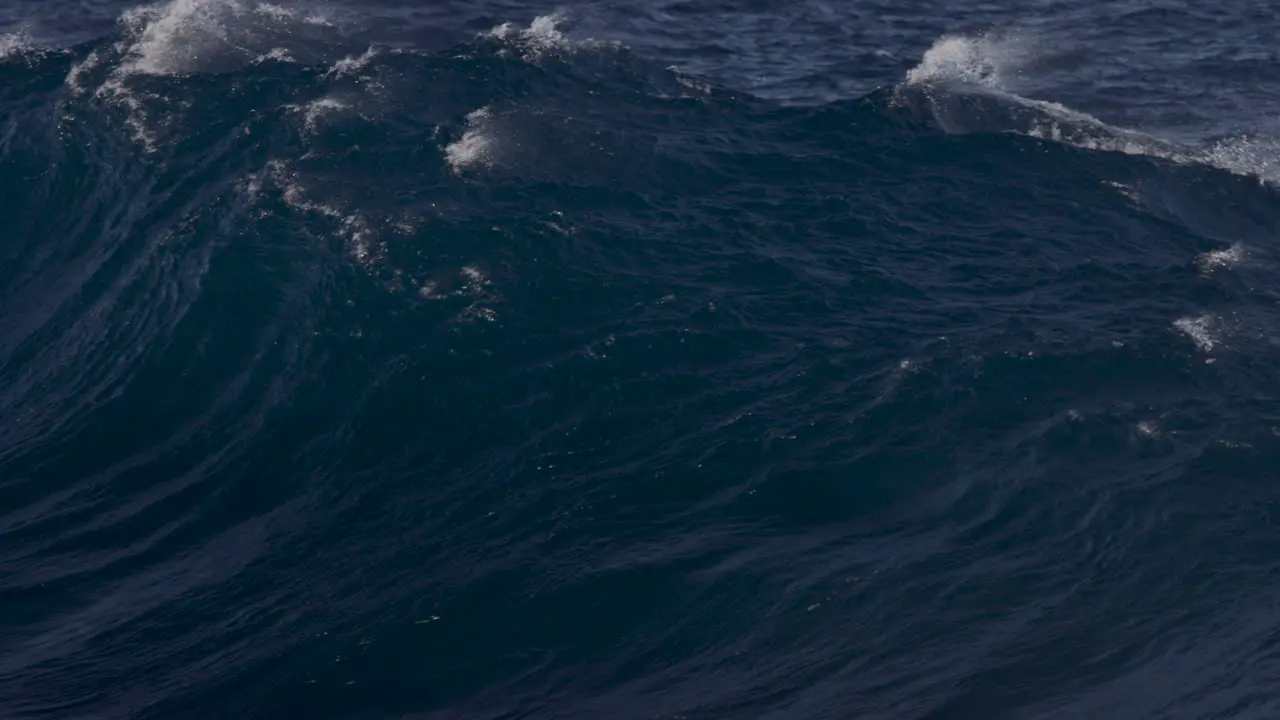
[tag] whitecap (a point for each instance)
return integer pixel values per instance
(1218, 259)
(280, 55)
(964, 82)
(476, 145)
(351, 64)
(543, 35)
(1201, 330)
(14, 43)
(186, 36)
(1246, 155)
(313, 111)
(176, 37)
(981, 60)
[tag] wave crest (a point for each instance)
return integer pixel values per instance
(963, 85)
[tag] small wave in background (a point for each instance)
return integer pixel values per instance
(651, 361)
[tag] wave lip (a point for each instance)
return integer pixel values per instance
(965, 85)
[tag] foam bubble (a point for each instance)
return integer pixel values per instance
(476, 144)
(1201, 331)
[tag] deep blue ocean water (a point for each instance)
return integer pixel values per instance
(661, 359)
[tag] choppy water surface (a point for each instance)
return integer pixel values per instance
(660, 360)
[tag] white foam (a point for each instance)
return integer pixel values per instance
(137, 117)
(700, 86)
(472, 282)
(476, 145)
(986, 66)
(360, 239)
(353, 227)
(313, 111)
(1219, 259)
(75, 76)
(1071, 127)
(1128, 191)
(277, 12)
(172, 38)
(280, 55)
(544, 35)
(185, 36)
(1246, 155)
(474, 278)
(1201, 331)
(350, 65)
(544, 32)
(980, 60)
(14, 43)
(479, 312)
(175, 38)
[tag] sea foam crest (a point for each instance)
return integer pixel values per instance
(352, 64)
(543, 33)
(179, 37)
(543, 36)
(183, 36)
(960, 78)
(981, 60)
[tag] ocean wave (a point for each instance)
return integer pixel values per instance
(309, 339)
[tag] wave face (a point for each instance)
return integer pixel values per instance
(395, 361)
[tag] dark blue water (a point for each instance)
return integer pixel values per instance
(639, 360)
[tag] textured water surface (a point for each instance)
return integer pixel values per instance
(639, 360)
